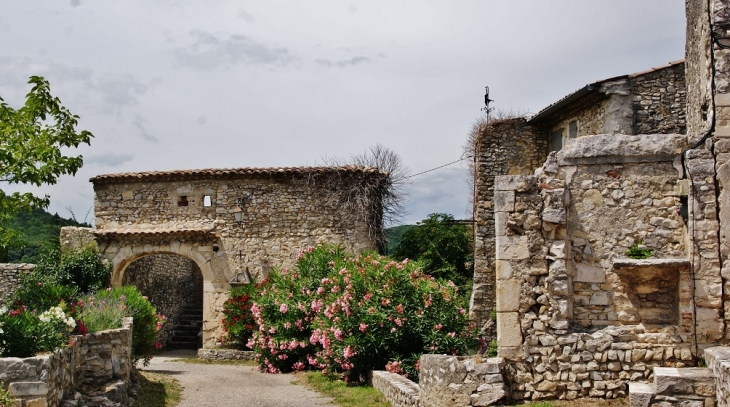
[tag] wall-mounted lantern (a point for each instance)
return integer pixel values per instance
(238, 211)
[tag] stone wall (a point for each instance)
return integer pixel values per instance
(89, 365)
(10, 277)
(575, 317)
(718, 360)
(171, 283)
(399, 391)
(504, 147)
(659, 99)
(459, 381)
(225, 354)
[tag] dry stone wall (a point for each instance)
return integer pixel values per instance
(659, 101)
(504, 147)
(399, 391)
(10, 277)
(454, 381)
(94, 364)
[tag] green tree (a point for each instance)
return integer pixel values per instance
(442, 245)
(31, 142)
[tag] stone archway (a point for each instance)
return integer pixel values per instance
(174, 285)
(200, 247)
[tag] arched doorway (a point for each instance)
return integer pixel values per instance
(174, 285)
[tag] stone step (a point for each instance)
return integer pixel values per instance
(683, 381)
(641, 394)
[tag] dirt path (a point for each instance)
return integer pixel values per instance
(233, 385)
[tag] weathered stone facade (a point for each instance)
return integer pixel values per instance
(98, 363)
(10, 277)
(453, 381)
(191, 214)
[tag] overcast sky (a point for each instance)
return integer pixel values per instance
(166, 84)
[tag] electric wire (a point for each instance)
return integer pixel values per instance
(436, 168)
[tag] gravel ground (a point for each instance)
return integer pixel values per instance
(233, 385)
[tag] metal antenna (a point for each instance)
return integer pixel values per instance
(487, 101)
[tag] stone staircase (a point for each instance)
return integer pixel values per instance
(185, 334)
(690, 387)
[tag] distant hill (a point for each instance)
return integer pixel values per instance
(40, 230)
(393, 236)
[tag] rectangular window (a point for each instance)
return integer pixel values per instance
(182, 200)
(573, 129)
(556, 140)
(206, 201)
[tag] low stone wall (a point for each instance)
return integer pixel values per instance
(93, 362)
(10, 277)
(225, 354)
(399, 391)
(459, 381)
(718, 360)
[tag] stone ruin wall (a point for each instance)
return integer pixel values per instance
(10, 277)
(575, 317)
(171, 283)
(659, 101)
(504, 147)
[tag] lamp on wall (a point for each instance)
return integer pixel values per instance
(238, 211)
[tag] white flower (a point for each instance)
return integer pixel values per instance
(3, 310)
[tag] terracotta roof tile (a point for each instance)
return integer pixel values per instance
(227, 172)
(153, 232)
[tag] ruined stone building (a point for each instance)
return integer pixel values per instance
(175, 235)
(562, 196)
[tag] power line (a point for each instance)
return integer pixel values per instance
(436, 168)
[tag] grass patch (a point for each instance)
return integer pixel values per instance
(197, 361)
(344, 395)
(158, 390)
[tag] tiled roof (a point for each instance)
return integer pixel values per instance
(147, 232)
(227, 173)
(591, 88)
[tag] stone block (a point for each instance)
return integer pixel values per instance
(518, 183)
(21, 389)
(508, 295)
(557, 249)
(586, 273)
(504, 269)
(504, 201)
(509, 333)
(500, 223)
(512, 248)
(673, 381)
(640, 394)
(37, 402)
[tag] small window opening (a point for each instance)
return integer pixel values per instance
(573, 129)
(206, 200)
(182, 200)
(556, 140)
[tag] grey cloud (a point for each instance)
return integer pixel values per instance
(210, 51)
(140, 123)
(75, 3)
(445, 191)
(119, 91)
(109, 159)
(344, 63)
(243, 15)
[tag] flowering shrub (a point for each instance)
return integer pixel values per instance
(80, 268)
(25, 332)
(102, 314)
(347, 315)
(147, 323)
(239, 322)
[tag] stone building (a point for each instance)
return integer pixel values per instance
(176, 235)
(640, 159)
(649, 102)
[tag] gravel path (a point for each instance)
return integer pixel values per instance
(233, 385)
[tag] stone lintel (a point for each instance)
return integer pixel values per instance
(621, 148)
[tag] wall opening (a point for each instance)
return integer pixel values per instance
(174, 285)
(207, 201)
(182, 200)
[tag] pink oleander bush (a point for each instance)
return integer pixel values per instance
(346, 315)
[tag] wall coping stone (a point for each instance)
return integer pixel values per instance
(613, 148)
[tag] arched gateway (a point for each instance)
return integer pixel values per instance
(234, 224)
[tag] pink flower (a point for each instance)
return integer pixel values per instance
(349, 352)
(399, 308)
(392, 330)
(452, 334)
(363, 327)
(384, 302)
(287, 324)
(438, 327)
(399, 322)
(284, 308)
(338, 334)
(367, 297)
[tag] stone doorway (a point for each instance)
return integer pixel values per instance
(174, 285)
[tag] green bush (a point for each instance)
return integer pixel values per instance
(147, 323)
(39, 292)
(348, 315)
(81, 268)
(25, 333)
(6, 398)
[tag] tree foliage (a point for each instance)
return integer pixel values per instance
(442, 245)
(39, 233)
(32, 140)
